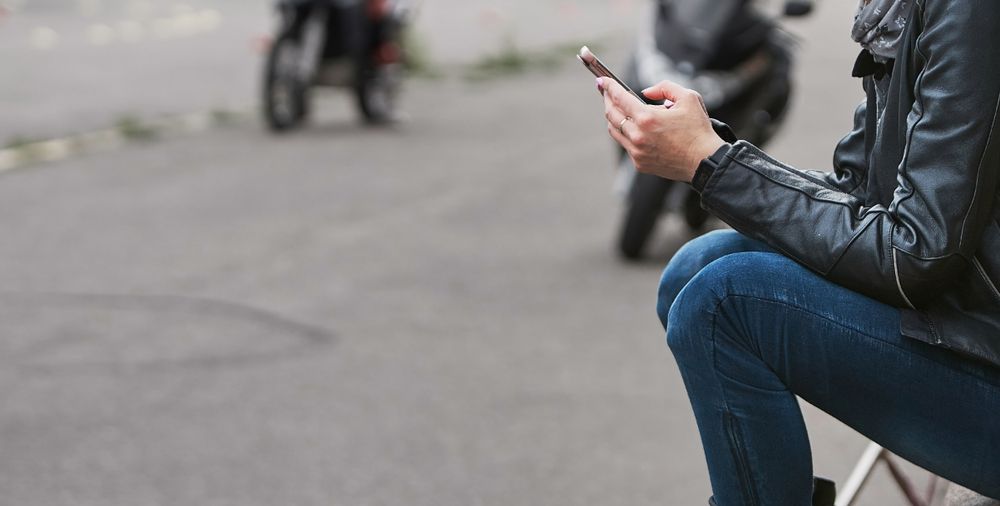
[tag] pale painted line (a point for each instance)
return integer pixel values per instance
(197, 122)
(8, 159)
(100, 34)
(53, 150)
(185, 21)
(98, 140)
(108, 139)
(43, 38)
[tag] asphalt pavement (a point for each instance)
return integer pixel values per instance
(430, 314)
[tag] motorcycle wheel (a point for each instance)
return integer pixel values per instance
(377, 92)
(285, 95)
(645, 203)
(694, 215)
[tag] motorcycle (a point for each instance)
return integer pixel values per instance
(354, 44)
(738, 59)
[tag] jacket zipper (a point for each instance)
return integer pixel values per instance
(899, 285)
(982, 272)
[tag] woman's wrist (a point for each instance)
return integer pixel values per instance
(707, 167)
(702, 152)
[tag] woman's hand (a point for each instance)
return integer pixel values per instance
(668, 142)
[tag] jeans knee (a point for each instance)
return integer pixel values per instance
(680, 340)
(692, 258)
(712, 298)
(688, 320)
(665, 297)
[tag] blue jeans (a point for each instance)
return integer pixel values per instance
(751, 329)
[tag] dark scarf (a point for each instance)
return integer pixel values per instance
(879, 24)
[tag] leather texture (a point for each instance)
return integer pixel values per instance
(909, 214)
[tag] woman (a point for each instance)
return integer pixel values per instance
(870, 292)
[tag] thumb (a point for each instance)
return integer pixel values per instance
(667, 90)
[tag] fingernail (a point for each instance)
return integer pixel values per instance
(600, 85)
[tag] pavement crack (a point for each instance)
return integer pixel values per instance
(92, 332)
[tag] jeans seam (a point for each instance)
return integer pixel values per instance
(739, 453)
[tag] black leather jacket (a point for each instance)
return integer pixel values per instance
(909, 216)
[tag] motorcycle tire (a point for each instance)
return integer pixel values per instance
(285, 96)
(645, 203)
(694, 215)
(377, 92)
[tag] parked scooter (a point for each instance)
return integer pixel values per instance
(354, 44)
(738, 59)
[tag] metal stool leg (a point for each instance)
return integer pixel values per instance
(859, 476)
(863, 470)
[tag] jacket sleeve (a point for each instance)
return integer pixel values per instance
(850, 168)
(904, 253)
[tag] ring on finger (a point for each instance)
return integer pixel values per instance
(622, 124)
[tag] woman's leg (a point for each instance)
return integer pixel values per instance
(693, 257)
(750, 331)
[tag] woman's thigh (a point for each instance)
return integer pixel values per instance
(842, 352)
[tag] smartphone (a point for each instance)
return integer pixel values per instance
(596, 67)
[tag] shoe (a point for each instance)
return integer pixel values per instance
(824, 493)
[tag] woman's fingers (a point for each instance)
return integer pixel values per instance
(611, 111)
(621, 137)
(618, 120)
(626, 102)
(669, 90)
